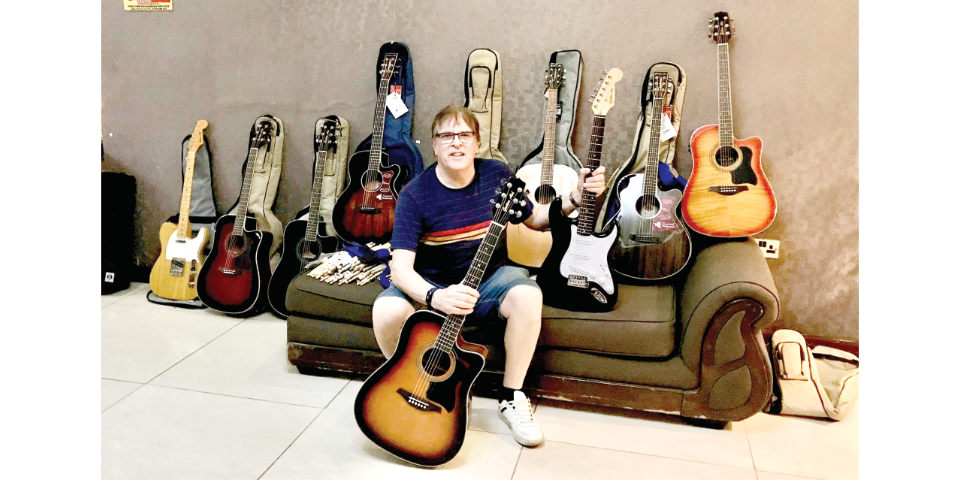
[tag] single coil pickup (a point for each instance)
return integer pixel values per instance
(370, 210)
(417, 402)
(578, 281)
(728, 189)
(176, 267)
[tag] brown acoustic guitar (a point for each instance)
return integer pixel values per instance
(728, 194)
(415, 405)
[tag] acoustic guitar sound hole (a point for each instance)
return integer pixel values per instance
(435, 362)
(545, 194)
(727, 156)
(371, 180)
(236, 244)
(648, 206)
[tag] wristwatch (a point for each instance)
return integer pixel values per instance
(430, 296)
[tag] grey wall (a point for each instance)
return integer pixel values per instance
(794, 70)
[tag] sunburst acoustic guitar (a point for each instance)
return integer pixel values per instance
(174, 274)
(728, 194)
(415, 405)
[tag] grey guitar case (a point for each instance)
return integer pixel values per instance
(567, 96)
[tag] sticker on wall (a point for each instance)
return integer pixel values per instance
(147, 5)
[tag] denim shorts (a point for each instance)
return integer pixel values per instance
(492, 291)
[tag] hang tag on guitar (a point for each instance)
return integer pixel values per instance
(396, 105)
(666, 128)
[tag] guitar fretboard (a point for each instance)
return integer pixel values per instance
(241, 219)
(587, 217)
(726, 104)
(183, 226)
(651, 171)
(549, 139)
(313, 219)
(376, 141)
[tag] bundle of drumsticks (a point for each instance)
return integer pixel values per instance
(340, 268)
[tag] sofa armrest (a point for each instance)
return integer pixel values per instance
(722, 273)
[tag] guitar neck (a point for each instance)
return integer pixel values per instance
(183, 226)
(380, 115)
(587, 218)
(651, 171)
(313, 219)
(725, 101)
(447, 337)
(549, 138)
(241, 216)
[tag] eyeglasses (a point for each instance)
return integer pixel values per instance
(446, 138)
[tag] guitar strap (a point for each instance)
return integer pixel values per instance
(567, 96)
(673, 108)
(334, 168)
(263, 185)
(483, 89)
(397, 137)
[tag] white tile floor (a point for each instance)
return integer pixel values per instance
(193, 394)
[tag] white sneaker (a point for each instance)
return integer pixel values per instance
(518, 415)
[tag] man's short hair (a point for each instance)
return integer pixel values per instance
(453, 112)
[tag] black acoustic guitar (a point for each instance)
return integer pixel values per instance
(364, 211)
(415, 405)
(234, 278)
(576, 274)
(304, 240)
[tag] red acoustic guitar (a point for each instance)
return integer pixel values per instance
(234, 277)
(364, 211)
(727, 194)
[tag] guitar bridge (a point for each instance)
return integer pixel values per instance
(643, 238)
(728, 189)
(578, 281)
(192, 282)
(370, 210)
(228, 271)
(418, 403)
(176, 267)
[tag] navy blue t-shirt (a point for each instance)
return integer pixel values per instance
(445, 226)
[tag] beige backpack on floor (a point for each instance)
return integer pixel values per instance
(822, 382)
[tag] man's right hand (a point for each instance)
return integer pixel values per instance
(456, 299)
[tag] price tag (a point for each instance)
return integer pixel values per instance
(396, 105)
(666, 128)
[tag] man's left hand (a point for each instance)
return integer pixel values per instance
(594, 183)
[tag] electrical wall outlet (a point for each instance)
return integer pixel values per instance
(770, 248)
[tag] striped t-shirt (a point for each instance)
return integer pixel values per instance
(445, 226)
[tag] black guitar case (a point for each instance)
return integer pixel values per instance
(203, 207)
(567, 96)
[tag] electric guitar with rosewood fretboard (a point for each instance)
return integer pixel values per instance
(526, 246)
(653, 243)
(234, 277)
(364, 211)
(728, 194)
(415, 405)
(174, 275)
(576, 273)
(305, 240)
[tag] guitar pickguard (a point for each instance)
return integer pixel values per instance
(186, 249)
(587, 257)
(743, 173)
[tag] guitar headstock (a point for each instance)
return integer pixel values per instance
(509, 205)
(554, 76)
(719, 27)
(388, 65)
(196, 139)
(660, 85)
(603, 93)
(327, 136)
(262, 135)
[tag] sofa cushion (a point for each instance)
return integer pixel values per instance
(642, 324)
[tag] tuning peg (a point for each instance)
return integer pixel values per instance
(518, 214)
(493, 201)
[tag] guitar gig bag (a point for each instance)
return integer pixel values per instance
(334, 168)
(483, 89)
(203, 207)
(567, 96)
(817, 382)
(263, 185)
(672, 108)
(397, 137)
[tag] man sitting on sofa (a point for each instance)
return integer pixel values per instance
(441, 218)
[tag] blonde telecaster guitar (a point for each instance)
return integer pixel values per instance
(525, 245)
(174, 275)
